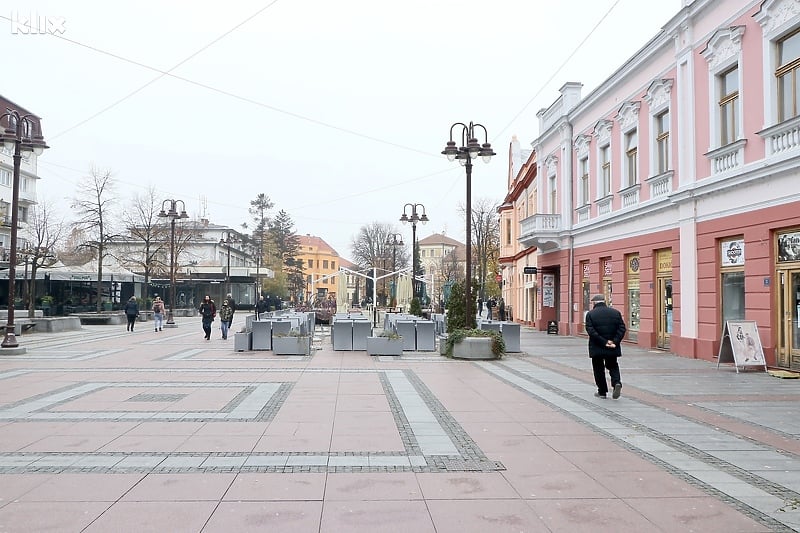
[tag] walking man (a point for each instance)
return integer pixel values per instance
(605, 328)
(232, 305)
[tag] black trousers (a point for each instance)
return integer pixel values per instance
(207, 327)
(131, 321)
(599, 366)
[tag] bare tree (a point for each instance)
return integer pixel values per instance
(94, 205)
(485, 223)
(45, 232)
(369, 247)
(143, 249)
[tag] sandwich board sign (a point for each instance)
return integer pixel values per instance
(741, 345)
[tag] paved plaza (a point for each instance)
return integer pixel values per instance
(104, 430)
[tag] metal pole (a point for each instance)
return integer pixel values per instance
(10, 340)
(468, 283)
(414, 257)
(171, 315)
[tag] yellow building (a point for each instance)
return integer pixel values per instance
(320, 264)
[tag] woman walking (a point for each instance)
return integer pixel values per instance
(158, 313)
(208, 311)
(132, 312)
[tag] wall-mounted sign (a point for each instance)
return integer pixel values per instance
(732, 253)
(789, 247)
(664, 261)
(548, 290)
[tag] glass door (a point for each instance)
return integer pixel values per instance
(789, 351)
(664, 317)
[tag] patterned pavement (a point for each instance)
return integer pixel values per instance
(163, 431)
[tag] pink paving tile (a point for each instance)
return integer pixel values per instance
(556, 485)
(539, 461)
(595, 463)
(369, 442)
(145, 443)
(591, 516)
(274, 517)
(69, 443)
(543, 415)
(287, 443)
(13, 486)
(558, 428)
(272, 486)
(50, 516)
(479, 416)
(166, 428)
(82, 487)
(495, 428)
(299, 428)
(508, 443)
(495, 516)
(135, 517)
(180, 487)
(648, 484)
(694, 514)
(354, 423)
(233, 428)
(372, 486)
(218, 443)
(97, 428)
(465, 486)
(362, 402)
(579, 443)
(314, 413)
(376, 517)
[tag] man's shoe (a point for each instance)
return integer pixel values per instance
(617, 391)
(598, 395)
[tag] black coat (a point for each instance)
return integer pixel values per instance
(604, 323)
(132, 308)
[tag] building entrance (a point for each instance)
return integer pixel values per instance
(788, 315)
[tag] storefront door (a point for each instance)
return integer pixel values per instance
(789, 313)
(664, 316)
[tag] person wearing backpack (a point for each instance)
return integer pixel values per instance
(158, 313)
(225, 314)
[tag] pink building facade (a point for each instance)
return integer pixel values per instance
(674, 187)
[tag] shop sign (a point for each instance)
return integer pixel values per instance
(664, 259)
(732, 253)
(633, 264)
(789, 247)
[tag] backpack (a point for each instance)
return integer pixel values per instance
(158, 307)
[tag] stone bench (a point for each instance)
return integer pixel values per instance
(101, 318)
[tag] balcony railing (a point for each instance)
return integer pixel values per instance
(783, 137)
(727, 157)
(630, 196)
(660, 185)
(541, 231)
(584, 212)
(604, 205)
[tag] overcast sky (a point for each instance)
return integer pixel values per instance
(338, 110)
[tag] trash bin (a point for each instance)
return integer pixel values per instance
(552, 327)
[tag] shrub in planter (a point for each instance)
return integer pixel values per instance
(385, 343)
(415, 308)
(453, 337)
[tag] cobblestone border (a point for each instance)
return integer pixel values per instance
(767, 486)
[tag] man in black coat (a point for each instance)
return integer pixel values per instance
(232, 305)
(605, 328)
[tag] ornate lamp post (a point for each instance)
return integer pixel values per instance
(227, 241)
(465, 153)
(394, 240)
(414, 218)
(173, 215)
(22, 135)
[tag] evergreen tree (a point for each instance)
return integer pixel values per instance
(415, 308)
(456, 312)
(286, 248)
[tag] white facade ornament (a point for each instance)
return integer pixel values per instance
(628, 115)
(723, 46)
(550, 164)
(602, 130)
(776, 13)
(581, 144)
(657, 95)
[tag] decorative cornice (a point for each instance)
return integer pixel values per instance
(657, 95)
(581, 144)
(775, 13)
(602, 130)
(723, 45)
(628, 115)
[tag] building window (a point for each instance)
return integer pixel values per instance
(23, 214)
(553, 195)
(788, 66)
(508, 232)
(333, 265)
(631, 158)
(5, 177)
(728, 106)
(732, 295)
(605, 171)
(324, 263)
(310, 263)
(584, 185)
(662, 142)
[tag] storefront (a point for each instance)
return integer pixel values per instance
(787, 275)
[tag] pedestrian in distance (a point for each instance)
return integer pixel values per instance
(225, 314)
(131, 312)
(605, 328)
(232, 305)
(501, 309)
(261, 307)
(158, 313)
(208, 312)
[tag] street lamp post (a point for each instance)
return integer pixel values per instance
(414, 218)
(228, 241)
(394, 240)
(469, 149)
(173, 215)
(22, 135)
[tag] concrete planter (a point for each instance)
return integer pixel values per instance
(291, 345)
(243, 341)
(384, 346)
(474, 348)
